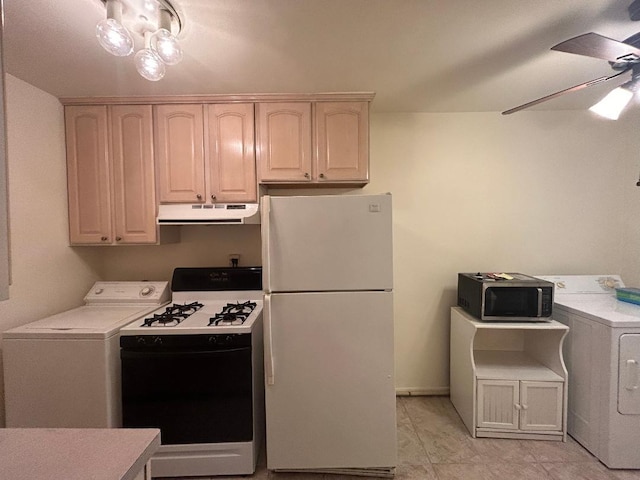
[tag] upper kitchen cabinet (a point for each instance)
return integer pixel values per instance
(179, 140)
(333, 149)
(205, 153)
(342, 141)
(231, 153)
(111, 182)
(284, 142)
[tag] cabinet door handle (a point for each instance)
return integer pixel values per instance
(213, 198)
(198, 196)
(306, 175)
(525, 407)
(518, 407)
(322, 175)
(118, 239)
(104, 239)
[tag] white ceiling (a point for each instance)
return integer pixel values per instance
(416, 55)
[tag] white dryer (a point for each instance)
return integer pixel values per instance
(602, 354)
(64, 370)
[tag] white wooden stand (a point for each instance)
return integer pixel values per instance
(508, 379)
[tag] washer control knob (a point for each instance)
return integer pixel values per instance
(146, 291)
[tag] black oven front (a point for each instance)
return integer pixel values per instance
(195, 388)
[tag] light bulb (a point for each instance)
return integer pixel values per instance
(149, 65)
(614, 103)
(114, 38)
(165, 44)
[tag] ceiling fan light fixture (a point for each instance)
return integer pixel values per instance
(111, 34)
(612, 105)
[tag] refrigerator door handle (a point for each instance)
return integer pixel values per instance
(264, 220)
(268, 342)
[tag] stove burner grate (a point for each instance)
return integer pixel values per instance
(172, 315)
(232, 314)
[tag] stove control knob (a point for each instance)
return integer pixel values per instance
(141, 340)
(213, 339)
(228, 338)
(157, 340)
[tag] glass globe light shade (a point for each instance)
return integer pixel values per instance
(114, 38)
(149, 65)
(165, 44)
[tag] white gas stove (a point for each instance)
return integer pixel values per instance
(194, 369)
(205, 313)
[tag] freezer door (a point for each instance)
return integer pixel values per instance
(330, 395)
(327, 243)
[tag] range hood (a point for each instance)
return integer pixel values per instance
(208, 214)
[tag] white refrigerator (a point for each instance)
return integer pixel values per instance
(328, 319)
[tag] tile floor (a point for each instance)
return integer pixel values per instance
(433, 444)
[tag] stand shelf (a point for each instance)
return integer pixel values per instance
(508, 379)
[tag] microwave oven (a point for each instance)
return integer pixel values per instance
(510, 297)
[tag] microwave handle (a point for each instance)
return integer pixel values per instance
(539, 302)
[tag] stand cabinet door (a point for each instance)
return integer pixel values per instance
(497, 400)
(520, 405)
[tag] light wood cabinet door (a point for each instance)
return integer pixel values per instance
(342, 141)
(230, 152)
(133, 174)
(284, 142)
(88, 175)
(179, 141)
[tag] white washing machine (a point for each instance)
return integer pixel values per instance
(602, 354)
(64, 370)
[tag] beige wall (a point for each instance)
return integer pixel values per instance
(536, 192)
(47, 275)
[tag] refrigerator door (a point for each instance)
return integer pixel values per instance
(327, 243)
(330, 395)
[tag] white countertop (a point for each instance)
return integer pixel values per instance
(75, 453)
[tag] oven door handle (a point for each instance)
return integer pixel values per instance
(268, 341)
(182, 353)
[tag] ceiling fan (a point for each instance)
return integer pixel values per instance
(623, 56)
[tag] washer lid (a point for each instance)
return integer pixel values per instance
(89, 321)
(604, 309)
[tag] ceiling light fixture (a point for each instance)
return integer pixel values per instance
(612, 105)
(156, 21)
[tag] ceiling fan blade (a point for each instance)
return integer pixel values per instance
(597, 46)
(562, 92)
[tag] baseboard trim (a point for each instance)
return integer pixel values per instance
(416, 392)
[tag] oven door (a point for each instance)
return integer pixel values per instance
(194, 395)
